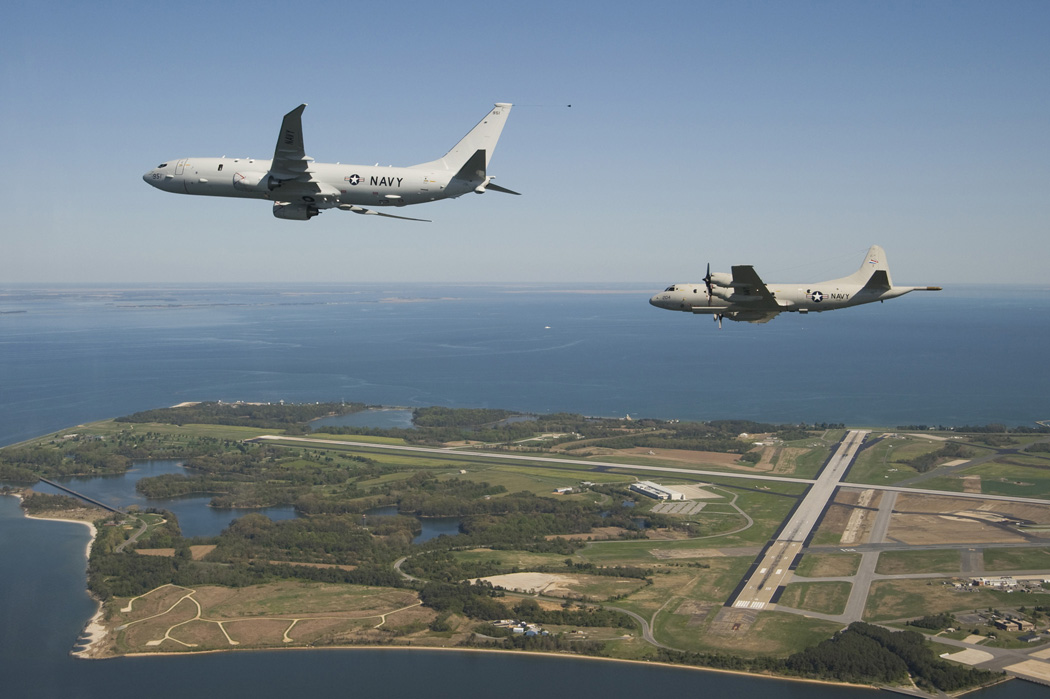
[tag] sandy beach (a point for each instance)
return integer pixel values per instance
(566, 656)
(94, 631)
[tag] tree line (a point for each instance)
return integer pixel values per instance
(861, 654)
(266, 415)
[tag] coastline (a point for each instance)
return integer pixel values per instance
(565, 656)
(94, 631)
(87, 646)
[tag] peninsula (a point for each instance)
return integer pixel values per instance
(795, 550)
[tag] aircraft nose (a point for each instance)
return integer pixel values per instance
(655, 301)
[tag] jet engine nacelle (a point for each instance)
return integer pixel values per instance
(248, 181)
(294, 212)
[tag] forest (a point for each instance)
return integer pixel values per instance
(860, 654)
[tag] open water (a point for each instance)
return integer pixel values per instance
(71, 355)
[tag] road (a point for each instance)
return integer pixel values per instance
(647, 632)
(133, 538)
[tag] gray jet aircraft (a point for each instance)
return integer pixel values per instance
(741, 295)
(301, 188)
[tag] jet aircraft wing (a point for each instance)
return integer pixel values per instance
(748, 283)
(289, 157)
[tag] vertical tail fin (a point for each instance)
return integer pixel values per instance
(482, 137)
(874, 265)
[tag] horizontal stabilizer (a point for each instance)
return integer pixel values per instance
(497, 188)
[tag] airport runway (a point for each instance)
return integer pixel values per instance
(453, 453)
(773, 570)
(580, 463)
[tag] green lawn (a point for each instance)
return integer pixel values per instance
(884, 464)
(933, 561)
(1012, 479)
(1003, 559)
(903, 599)
(823, 597)
(828, 565)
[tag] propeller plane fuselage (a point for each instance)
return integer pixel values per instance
(301, 188)
(742, 296)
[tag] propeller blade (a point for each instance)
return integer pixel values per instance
(707, 281)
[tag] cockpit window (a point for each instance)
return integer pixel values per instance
(162, 165)
(670, 288)
(220, 167)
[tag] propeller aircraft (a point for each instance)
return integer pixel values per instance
(742, 296)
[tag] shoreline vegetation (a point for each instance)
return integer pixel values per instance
(511, 521)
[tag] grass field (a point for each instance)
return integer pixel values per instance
(1012, 479)
(173, 618)
(1017, 559)
(823, 597)
(828, 565)
(904, 599)
(371, 439)
(708, 587)
(903, 562)
(773, 633)
(808, 464)
(524, 560)
(184, 433)
(884, 464)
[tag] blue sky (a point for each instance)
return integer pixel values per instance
(788, 135)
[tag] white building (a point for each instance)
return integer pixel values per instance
(657, 492)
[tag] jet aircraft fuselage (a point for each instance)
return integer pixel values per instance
(300, 188)
(363, 185)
